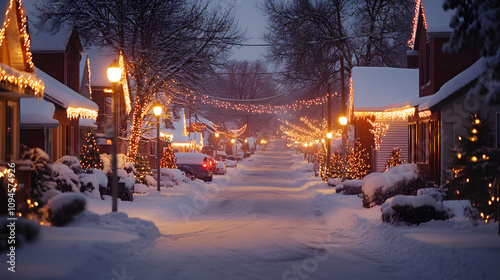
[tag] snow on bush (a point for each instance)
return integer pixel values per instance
(401, 179)
(171, 177)
(150, 180)
(92, 181)
(438, 194)
(413, 209)
(350, 187)
(66, 179)
(61, 209)
(334, 181)
(72, 162)
(121, 163)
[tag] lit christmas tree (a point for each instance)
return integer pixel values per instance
(395, 159)
(474, 167)
(334, 170)
(356, 166)
(168, 159)
(142, 167)
(89, 153)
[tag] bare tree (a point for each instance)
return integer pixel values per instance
(167, 44)
(309, 38)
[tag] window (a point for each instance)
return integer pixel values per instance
(412, 137)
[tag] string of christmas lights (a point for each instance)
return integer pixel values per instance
(378, 130)
(400, 114)
(267, 109)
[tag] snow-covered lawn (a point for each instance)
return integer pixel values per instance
(265, 219)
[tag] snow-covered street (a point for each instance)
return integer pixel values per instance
(269, 218)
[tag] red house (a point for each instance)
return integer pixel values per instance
(445, 79)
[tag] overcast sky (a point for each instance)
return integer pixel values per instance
(252, 19)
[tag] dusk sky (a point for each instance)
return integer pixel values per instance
(252, 19)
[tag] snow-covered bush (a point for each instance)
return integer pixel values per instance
(26, 231)
(334, 182)
(171, 177)
(40, 173)
(413, 210)
(61, 209)
(72, 162)
(92, 182)
(150, 181)
(350, 187)
(121, 163)
(437, 193)
(66, 179)
(403, 179)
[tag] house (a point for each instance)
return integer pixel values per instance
(445, 79)
(19, 77)
(383, 98)
(57, 56)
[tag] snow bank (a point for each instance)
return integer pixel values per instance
(171, 176)
(61, 209)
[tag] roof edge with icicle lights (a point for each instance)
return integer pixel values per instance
(397, 114)
(25, 77)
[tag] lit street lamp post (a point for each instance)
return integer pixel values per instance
(343, 122)
(114, 74)
(157, 109)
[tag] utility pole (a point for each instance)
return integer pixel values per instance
(344, 113)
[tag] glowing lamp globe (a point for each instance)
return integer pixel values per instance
(343, 120)
(157, 110)
(114, 72)
(329, 135)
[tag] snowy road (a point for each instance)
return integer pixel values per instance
(266, 219)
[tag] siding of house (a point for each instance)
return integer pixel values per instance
(396, 136)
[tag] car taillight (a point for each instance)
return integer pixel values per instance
(205, 165)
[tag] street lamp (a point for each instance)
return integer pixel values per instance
(233, 141)
(157, 110)
(217, 143)
(343, 122)
(114, 74)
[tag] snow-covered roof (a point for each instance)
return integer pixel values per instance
(381, 86)
(414, 102)
(436, 18)
(459, 81)
(43, 40)
(37, 113)
(62, 95)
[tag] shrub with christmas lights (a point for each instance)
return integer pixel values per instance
(356, 166)
(89, 154)
(474, 166)
(395, 159)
